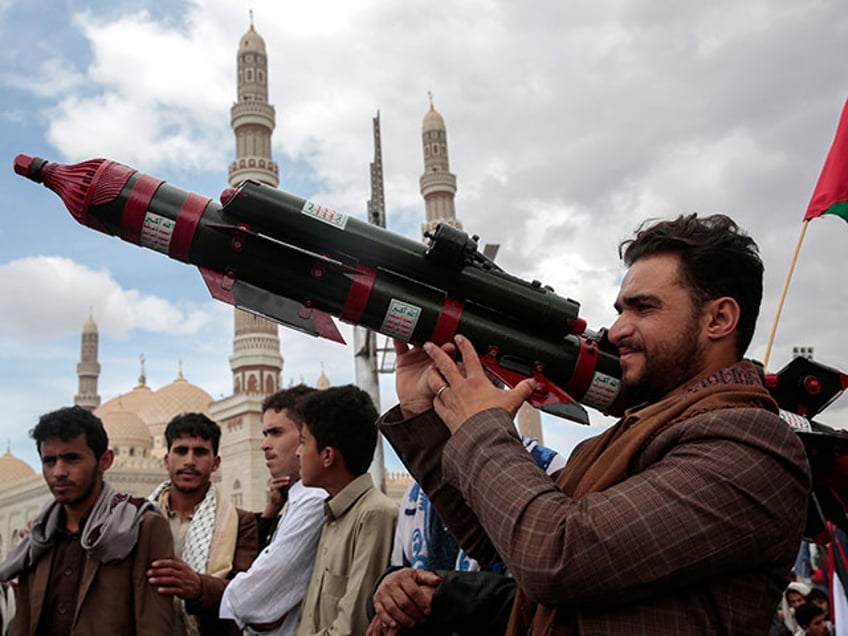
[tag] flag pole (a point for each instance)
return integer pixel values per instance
(783, 293)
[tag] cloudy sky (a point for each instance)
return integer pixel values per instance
(568, 124)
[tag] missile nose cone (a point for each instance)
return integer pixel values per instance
(29, 167)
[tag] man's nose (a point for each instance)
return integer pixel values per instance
(618, 330)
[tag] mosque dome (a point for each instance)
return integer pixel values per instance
(133, 402)
(13, 470)
(125, 428)
(433, 120)
(180, 396)
(252, 41)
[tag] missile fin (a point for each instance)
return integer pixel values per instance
(284, 311)
(547, 397)
(570, 411)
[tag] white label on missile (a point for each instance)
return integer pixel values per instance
(325, 215)
(798, 422)
(156, 232)
(400, 319)
(602, 392)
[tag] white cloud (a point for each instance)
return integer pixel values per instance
(53, 294)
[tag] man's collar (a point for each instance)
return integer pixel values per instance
(335, 507)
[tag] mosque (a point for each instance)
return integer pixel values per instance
(135, 421)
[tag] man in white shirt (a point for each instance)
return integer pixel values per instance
(266, 599)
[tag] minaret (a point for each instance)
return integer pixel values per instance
(256, 362)
(365, 340)
(438, 184)
(88, 369)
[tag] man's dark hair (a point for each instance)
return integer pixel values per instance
(717, 259)
(70, 422)
(345, 418)
(193, 425)
(804, 614)
(287, 399)
(817, 594)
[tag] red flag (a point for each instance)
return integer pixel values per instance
(831, 193)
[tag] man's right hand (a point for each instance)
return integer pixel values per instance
(404, 598)
(412, 370)
(278, 493)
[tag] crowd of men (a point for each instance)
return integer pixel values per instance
(682, 518)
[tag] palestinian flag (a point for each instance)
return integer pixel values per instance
(831, 193)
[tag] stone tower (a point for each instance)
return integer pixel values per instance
(88, 369)
(256, 362)
(438, 184)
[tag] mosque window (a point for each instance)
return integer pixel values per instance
(132, 451)
(426, 151)
(260, 76)
(116, 451)
(248, 75)
(269, 385)
(435, 149)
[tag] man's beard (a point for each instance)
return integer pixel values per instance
(85, 494)
(667, 367)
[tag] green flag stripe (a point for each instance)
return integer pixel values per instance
(839, 209)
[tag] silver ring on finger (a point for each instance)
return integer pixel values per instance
(441, 390)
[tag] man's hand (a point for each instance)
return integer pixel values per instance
(461, 393)
(377, 628)
(279, 490)
(403, 598)
(411, 377)
(175, 576)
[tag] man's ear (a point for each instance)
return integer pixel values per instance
(328, 456)
(105, 461)
(217, 463)
(722, 318)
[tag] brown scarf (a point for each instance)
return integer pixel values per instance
(606, 460)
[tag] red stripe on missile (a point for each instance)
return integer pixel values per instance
(137, 205)
(187, 221)
(357, 296)
(448, 321)
(584, 369)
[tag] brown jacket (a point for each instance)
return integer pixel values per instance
(212, 587)
(697, 538)
(114, 598)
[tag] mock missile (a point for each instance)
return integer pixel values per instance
(300, 264)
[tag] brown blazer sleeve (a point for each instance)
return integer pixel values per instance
(154, 612)
(419, 442)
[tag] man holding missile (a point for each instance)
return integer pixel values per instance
(682, 518)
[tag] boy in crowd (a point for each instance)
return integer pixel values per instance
(337, 443)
